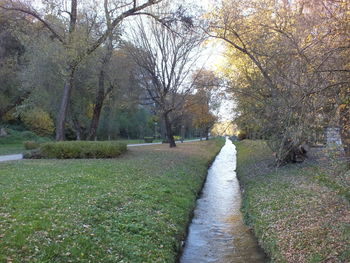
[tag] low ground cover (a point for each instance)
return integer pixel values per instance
(131, 209)
(299, 213)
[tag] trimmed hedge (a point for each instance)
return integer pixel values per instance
(79, 149)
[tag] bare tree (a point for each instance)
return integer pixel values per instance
(166, 54)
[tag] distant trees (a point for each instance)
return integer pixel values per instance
(203, 104)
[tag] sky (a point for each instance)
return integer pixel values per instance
(213, 57)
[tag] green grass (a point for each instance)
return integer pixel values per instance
(11, 148)
(131, 209)
(299, 213)
(13, 142)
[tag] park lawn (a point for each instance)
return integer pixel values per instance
(299, 213)
(135, 141)
(131, 209)
(11, 148)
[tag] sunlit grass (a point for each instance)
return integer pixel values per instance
(132, 209)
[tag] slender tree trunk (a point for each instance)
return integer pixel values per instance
(345, 128)
(77, 128)
(163, 130)
(183, 132)
(100, 96)
(61, 120)
(101, 92)
(169, 131)
(206, 134)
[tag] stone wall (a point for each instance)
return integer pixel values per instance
(332, 136)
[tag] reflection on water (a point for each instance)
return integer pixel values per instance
(217, 232)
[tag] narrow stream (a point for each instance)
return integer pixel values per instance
(217, 232)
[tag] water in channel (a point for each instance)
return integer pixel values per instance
(217, 232)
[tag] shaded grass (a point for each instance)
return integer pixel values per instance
(11, 148)
(299, 213)
(131, 209)
(13, 142)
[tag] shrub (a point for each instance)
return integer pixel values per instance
(38, 121)
(81, 149)
(148, 139)
(34, 154)
(28, 135)
(31, 145)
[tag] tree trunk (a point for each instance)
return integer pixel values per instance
(100, 96)
(345, 128)
(163, 131)
(183, 132)
(61, 119)
(169, 131)
(101, 93)
(206, 134)
(77, 128)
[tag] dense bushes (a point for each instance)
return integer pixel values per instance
(79, 149)
(31, 145)
(38, 121)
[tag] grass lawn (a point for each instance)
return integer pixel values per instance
(131, 209)
(299, 213)
(11, 148)
(135, 141)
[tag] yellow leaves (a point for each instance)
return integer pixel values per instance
(90, 110)
(38, 121)
(342, 106)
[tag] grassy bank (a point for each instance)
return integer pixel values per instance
(131, 209)
(12, 143)
(11, 148)
(299, 213)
